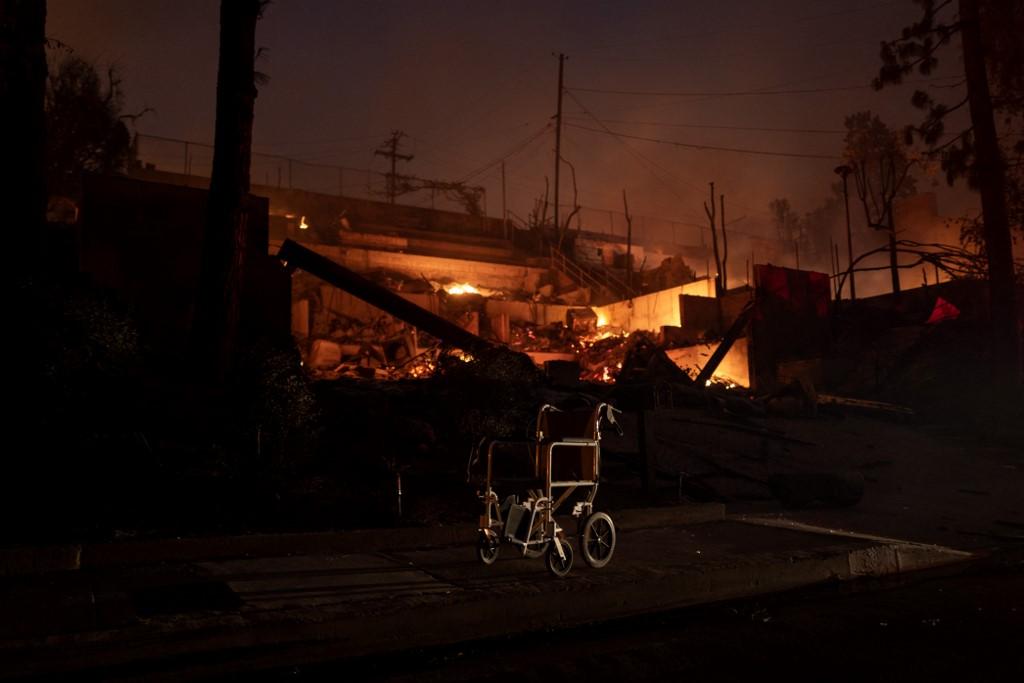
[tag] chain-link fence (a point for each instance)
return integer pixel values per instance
(195, 159)
(646, 229)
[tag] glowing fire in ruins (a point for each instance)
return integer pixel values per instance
(461, 288)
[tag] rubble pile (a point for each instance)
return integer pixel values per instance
(383, 348)
(602, 354)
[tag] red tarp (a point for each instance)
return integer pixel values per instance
(943, 310)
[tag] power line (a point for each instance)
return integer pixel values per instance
(829, 131)
(737, 150)
(644, 161)
(635, 152)
(722, 93)
(518, 147)
(738, 93)
(451, 157)
(321, 141)
(785, 23)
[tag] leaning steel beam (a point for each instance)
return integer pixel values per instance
(734, 332)
(294, 255)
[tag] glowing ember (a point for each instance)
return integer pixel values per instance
(303, 225)
(461, 288)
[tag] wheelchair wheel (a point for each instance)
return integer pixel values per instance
(556, 565)
(597, 540)
(487, 549)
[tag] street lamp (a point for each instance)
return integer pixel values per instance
(844, 172)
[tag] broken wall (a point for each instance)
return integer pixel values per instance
(650, 312)
(700, 314)
(528, 311)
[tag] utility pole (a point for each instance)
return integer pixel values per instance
(844, 172)
(558, 136)
(504, 211)
(839, 291)
(629, 244)
(390, 151)
(725, 245)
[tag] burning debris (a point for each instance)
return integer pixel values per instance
(385, 325)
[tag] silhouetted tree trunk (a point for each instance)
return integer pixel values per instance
(710, 211)
(23, 129)
(894, 260)
(725, 244)
(990, 173)
(215, 325)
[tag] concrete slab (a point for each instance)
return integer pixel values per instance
(279, 583)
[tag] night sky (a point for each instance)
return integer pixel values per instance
(469, 80)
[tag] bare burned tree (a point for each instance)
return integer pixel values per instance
(956, 262)
(881, 171)
(23, 127)
(224, 239)
(87, 128)
(538, 218)
(993, 63)
(712, 214)
(470, 197)
(564, 229)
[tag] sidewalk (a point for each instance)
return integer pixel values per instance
(258, 603)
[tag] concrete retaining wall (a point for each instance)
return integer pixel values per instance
(507, 277)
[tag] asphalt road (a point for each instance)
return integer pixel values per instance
(964, 625)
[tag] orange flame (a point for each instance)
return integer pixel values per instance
(461, 288)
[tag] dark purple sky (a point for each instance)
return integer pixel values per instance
(468, 80)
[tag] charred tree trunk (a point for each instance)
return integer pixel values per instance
(710, 211)
(215, 326)
(989, 170)
(725, 244)
(23, 128)
(719, 279)
(894, 261)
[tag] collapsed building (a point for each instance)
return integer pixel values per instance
(381, 293)
(510, 286)
(574, 309)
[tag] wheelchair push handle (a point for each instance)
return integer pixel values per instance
(608, 413)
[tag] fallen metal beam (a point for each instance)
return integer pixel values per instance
(734, 332)
(294, 255)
